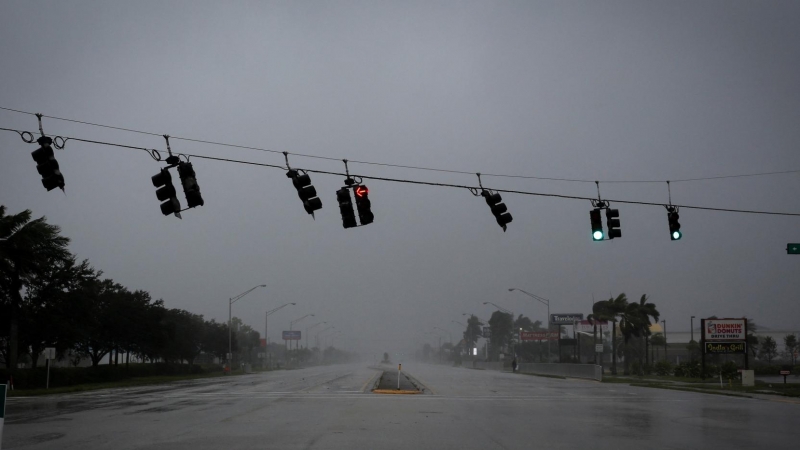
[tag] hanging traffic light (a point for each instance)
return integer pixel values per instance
(46, 164)
(346, 207)
(597, 224)
(190, 186)
(499, 209)
(166, 192)
(306, 192)
(613, 223)
(363, 204)
(674, 226)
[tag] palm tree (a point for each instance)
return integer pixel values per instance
(635, 321)
(27, 247)
(612, 309)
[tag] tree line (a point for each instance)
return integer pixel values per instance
(48, 298)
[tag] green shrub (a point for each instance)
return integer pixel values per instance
(663, 368)
(689, 369)
(729, 370)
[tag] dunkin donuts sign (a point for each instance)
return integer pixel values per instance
(724, 330)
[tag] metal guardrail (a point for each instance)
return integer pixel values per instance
(588, 371)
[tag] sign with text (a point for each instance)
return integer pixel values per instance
(587, 326)
(291, 335)
(598, 348)
(538, 335)
(487, 332)
(725, 347)
(565, 319)
(724, 330)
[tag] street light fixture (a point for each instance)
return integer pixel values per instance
(291, 324)
(311, 328)
(266, 328)
(316, 336)
(545, 302)
(231, 301)
(451, 334)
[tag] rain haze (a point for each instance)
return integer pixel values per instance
(608, 91)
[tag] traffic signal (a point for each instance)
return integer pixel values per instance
(597, 225)
(363, 204)
(346, 207)
(190, 187)
(306, 192)
(674, 226)
(613, 223)
(166, 192)
(499, 209)
(46, 164)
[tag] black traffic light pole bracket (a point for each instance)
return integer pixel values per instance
(351, 181)
(600, 203)
(28, 138)
(670, 208)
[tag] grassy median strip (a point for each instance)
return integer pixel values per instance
(132, 382)
(708, 387)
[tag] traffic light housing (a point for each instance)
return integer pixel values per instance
(306, 192)
(46, 164)
(363, 204)
(166, 192)
(612, 222)
(346, 207)
(499, 209)
(190, 186)
(674, 226)
(597, 225)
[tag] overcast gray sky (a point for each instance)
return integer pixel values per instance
(606, 90)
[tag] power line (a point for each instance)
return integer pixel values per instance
(402, 166)
(156, 155)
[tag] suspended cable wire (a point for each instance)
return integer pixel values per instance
(156, 155)
(402, 166)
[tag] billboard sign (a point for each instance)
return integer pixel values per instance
(725, 347)
(724, 330)
(291, 335)
(538, 335)
(565, 319)
(588, 326)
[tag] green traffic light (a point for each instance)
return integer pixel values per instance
(597, 235)
(676, 235)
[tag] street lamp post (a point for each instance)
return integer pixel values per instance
(231, 301)
(545, 302)
(291, 324)
(316, 336)
(311, 328)
(266, 326)
(691, 327)
(449, 333)
(665, 339)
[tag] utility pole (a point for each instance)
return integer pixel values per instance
(665, 339)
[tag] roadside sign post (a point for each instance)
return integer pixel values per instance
(785, 373)
(49, 354)
(3, 388)
(564, 319)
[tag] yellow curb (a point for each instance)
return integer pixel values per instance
(393, 391)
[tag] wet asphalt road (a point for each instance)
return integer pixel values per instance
(332, 408)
